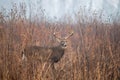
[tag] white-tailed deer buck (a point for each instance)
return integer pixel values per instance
(49, 55)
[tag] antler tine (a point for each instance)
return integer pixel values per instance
(69, 35)
(57, 38)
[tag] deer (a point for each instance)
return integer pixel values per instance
(50, 55)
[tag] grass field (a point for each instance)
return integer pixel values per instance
(93, 51)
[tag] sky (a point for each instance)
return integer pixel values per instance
(59, 8)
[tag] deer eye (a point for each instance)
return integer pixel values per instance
(63, 44)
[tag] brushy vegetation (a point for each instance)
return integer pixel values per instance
(93, 52)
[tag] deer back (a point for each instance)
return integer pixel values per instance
(37, 52)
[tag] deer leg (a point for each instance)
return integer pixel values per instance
(53, 70)
(48, 68)
(45, 69)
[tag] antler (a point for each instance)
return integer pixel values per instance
(69, 35)
(57, 38)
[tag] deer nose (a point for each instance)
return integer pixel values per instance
(65, 45)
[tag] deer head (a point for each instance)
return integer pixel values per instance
(63, 41)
